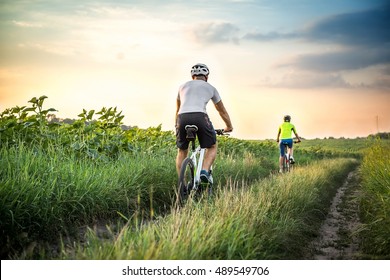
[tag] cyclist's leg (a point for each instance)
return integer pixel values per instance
(209, 157)
(207, 139)
(291, 150)
(181, 155)
(281, 158)
(181, 141)
(292, 155)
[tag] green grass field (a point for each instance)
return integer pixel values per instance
(90, 190)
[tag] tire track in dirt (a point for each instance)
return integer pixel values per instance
(337, 238)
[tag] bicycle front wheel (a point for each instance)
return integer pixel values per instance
(186, 180)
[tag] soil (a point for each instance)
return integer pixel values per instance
(337, 239)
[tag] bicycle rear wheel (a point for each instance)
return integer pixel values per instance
(186, 180)
(286, 164)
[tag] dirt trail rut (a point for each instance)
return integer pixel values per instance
(337, 238)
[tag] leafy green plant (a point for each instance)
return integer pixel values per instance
(17, 123)
(99, 139)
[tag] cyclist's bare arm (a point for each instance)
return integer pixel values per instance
(224, 115)
(177, 109)
(296, 135)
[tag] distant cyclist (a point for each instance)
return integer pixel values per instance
(285, 135)
(191, 103)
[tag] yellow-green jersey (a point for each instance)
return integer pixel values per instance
(286, 129)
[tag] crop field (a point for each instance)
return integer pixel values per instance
(93, 190)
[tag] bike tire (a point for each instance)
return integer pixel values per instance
(186, 179)
(290, 166)
(286, 165)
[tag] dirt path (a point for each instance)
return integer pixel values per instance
(337, 238)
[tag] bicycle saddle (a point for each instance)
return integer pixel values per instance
(191, 132)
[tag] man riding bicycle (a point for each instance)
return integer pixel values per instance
(285, 134)
(191, 103)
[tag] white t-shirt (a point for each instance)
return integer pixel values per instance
(194, 96)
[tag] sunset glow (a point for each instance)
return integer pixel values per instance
(326, 63)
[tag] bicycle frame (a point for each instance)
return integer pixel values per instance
(198, 151)
(189, 177)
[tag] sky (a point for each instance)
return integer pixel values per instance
(325, 63)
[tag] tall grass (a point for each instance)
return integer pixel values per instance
(45, 193)
(271, 219)
(375, 203)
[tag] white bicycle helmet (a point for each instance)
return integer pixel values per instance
(199, 69)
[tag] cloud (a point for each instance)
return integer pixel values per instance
(386, 70)
(351, 59)
(306, 80)
(357, 41)
(215, 32)
(271, 36)
(90, 33)
(27, 24)
(365, 37)
(366, 28)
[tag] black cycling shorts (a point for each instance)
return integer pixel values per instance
(206, 133)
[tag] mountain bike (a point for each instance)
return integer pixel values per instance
(287, 161)
(190, 183)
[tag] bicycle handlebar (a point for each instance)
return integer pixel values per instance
(295, 141)
(220, 132)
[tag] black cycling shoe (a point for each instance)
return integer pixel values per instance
(205, 177)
